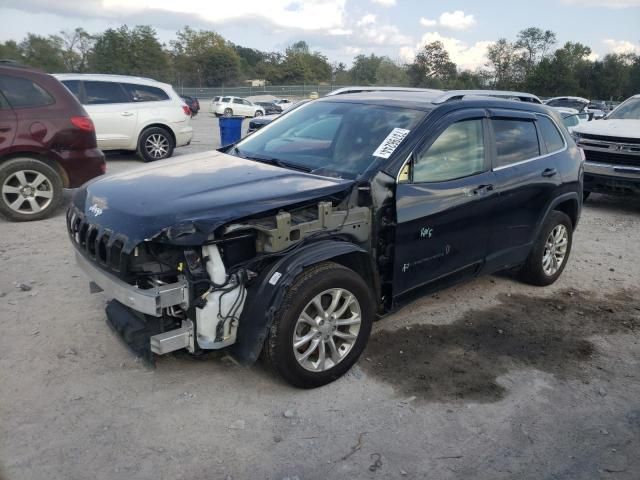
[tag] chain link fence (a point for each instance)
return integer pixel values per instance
(286, 91)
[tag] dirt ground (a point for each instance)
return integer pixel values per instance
(489, 380)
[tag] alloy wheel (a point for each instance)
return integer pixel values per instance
(327, 330)
(555, 250)
(157, 146)
(27, 192)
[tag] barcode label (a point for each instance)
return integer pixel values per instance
(389, 144)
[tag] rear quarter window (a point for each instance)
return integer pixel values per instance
(145, 93)
(550, 134)
(23, 93)
(516, 141)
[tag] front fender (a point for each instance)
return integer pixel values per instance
(266, 294)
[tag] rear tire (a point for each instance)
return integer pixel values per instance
(550, 252)
(335, 338)
(29, 189)
(258, 113)
(155, 144)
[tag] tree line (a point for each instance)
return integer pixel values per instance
(531, 62)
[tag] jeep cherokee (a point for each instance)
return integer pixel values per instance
(289, 243)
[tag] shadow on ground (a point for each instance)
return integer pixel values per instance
(462, 360)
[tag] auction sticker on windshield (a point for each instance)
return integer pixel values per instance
(389, 144)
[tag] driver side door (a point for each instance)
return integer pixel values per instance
(444, 205)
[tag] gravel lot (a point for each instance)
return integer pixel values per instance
(489, 380)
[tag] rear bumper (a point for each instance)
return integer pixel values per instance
(80, 166)
(612, 179)
(183, 136)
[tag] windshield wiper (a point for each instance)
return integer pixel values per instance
(278, 162)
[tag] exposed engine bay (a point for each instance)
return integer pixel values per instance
(219, 272)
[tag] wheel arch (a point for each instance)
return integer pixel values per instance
(42, 158)
(265, 296)
(163, 126)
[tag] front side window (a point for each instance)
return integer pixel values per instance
(330, 138)
(23, 93)
(101, 93)
(145, 93)
(629, 110)
(550, 134)
(226, 99)
(238, 101)
(458, 152)
(516, 141)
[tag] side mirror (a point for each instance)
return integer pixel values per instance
(590, 116)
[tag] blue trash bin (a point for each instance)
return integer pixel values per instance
(230, 130)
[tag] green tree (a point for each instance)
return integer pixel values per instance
(390, 73)
(535, 44)
(10, 50)
(432, 67)
(43, 52)
(504, 65)
(77, 46)
(205, 59)
(363, 71)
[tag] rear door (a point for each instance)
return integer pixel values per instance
(239, 108)
(8, 125)
(113, 113)
(526, 178)
(444, 207)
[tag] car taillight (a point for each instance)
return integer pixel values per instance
(186, 110)
(83, 123)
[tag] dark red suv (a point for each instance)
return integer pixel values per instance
(47, 143)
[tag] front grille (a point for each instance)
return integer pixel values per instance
(97, 243)
(611, 158)
(601, 138)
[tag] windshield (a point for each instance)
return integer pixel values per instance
(332, 138)
(629, 110)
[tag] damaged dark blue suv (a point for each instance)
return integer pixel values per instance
(288, 244)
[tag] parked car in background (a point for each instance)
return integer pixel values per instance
(236, 106)
(192, 103)
(212, 104)
(598, 108)
(580, 104)
(133, 113)
(284, 103)
(258, 123)
(270, 108)
(288, 244)
(572, 118)
(47, 143)
(612, 151)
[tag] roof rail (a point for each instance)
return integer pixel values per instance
(504, 94)
(369, 89)
(7, 62)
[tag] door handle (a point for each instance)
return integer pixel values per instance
(480, 189)
(549, 172)
(127, 114)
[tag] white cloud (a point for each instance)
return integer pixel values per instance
(385, 3)
(426, 22)
(352, 50)
(457, 20)
(307, 15)
(368, 19)
(593, 56)
(621, 46)
(604, 3)
(466, 56)
(387, 35)
(340, 31)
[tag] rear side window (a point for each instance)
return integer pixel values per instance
(145, 93)
(516, 141)
(100, 93)
(226, 100)
(458, 152)
(22, 92)
(73, 86)
(550, 134)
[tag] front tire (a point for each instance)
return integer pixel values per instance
(258, 113)
(550, 252)
(321, 328)
(227, 112)
(29, 189)
(155, 144)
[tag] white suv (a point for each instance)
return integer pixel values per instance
(229, 106)
(133, 113)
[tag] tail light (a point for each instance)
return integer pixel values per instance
(186, 110)
(83, 123)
